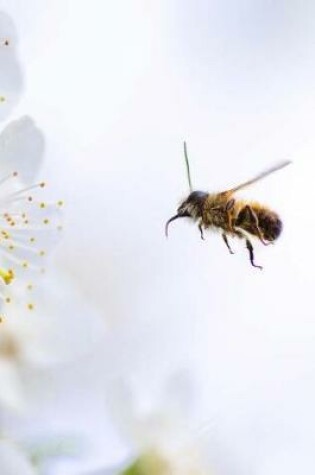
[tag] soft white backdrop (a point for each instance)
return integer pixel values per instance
(116, 87)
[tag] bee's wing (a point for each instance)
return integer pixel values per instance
(259, 177)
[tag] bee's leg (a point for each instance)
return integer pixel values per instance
(254, 219)
(201, 230)
(225, 239)
(251, 253)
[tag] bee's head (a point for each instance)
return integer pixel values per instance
(190, 208)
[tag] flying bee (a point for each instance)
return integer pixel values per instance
(233, 217)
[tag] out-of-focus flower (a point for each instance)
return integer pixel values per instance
(13, 461)
(11, 82)
(161, 433)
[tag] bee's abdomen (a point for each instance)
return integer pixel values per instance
(270, 224)
(268, 221)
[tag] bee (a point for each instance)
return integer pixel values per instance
(233, 217)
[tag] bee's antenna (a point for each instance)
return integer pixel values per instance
(187, 166)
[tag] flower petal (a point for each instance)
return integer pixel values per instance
(105, 471)
(11, 394)
(11, 84)
(21, 148)
(11, 81)
(62, 326)
(7, 32)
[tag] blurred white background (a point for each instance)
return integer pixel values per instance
(116, 87)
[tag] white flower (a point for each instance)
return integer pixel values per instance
(160, 431)
(11, 82)
(28, 227)
(46, 319)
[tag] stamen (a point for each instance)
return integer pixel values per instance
(19, 262)
(15, 244)
(8, 177)
(25, 190)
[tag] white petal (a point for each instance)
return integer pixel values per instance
(105, 471)
(120, 400)
(11, 80)
(21, 148)
(11, 393)
(7, 31)
(11, 84)
(13, 461)
(179, 393)
(62, 326)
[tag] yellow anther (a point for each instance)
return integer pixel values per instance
(42, 205)
(2, 99)
(60, 203)
(6, 275)
(8, 300)
(25, 264)
(32, 239)
(46, 221)
(30, 306)
(41, 253)
(29, 287)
